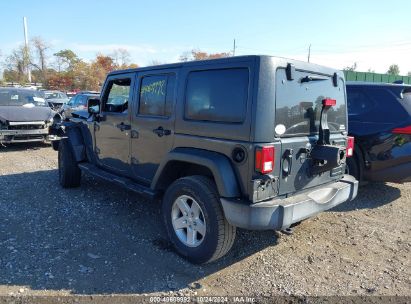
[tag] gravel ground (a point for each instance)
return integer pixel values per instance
(100, 239)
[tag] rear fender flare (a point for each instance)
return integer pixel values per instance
(217, 163)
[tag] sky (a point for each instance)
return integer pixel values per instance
(374, 34)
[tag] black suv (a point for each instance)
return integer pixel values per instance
(254, 142)
(379, 116)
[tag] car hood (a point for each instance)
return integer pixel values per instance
(81, 114)
(19, 113)
(57, 100)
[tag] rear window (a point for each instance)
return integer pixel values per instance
(299, 103)
(378, 103)
(358, 101)
(217, 95)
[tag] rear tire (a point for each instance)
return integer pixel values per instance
(353, 167)
(69, 172)
(214, 236)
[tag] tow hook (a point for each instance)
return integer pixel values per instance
(287, 231)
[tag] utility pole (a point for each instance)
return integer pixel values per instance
(309, 52)
(234, 47)
(26, 50)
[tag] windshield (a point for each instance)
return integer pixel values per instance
(299, 103)
(21, 97)
(52, 95)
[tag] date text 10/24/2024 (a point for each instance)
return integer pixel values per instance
(202, 299)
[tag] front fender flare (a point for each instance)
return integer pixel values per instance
(79, 139)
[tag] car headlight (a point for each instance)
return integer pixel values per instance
(48, 123)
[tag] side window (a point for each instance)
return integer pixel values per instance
(156, 95)
(116, 100)
(217, 95)
(358, 101)
(406, 102)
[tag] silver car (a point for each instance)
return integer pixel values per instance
(56, 99)
(24, 116)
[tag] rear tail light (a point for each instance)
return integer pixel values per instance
(264, 159)
(350, 146)
(405, 130)
(329, 102)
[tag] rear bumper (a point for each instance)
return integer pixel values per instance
(396, 174)
(279, 214)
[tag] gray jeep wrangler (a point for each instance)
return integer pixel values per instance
(255, 142)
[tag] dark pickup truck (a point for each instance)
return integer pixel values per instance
(255, 142)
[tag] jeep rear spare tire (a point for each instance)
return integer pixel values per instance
(69, 172)
(195, 221)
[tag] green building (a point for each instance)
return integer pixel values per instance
(374, 77)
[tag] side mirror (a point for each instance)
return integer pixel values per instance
(93, 105)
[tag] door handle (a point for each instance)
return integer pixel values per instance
(287, 162)
(160, 131)
(123, 127)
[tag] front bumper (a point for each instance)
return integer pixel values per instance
(14, 136)
(279, 213)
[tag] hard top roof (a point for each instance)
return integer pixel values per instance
(302, 64)
(88, 94)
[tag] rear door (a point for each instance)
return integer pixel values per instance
(298, 110)
(152, 122)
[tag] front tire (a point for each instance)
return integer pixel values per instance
(69, 172)
(195, 221)
(55, 145)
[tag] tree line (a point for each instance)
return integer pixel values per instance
(66, 71)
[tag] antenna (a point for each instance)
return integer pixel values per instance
(26, 43)
(234, 47)
(309, 52)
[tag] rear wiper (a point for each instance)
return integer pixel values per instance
(312, 78)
